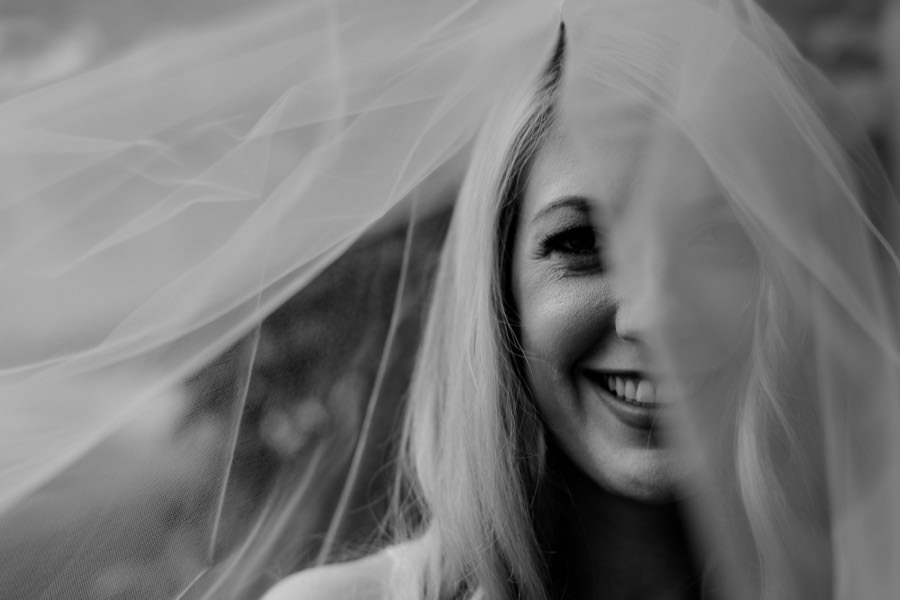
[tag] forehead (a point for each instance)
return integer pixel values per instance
(638, 160)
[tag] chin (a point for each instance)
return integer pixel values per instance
(642, 474)
(647, 475)
(605, 442)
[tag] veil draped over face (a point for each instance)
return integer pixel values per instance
(216, 242)
(774, 305)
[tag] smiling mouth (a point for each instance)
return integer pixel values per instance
(631, 387)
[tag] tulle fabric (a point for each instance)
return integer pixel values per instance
(159, 206)
(156, 208)
(788, 400)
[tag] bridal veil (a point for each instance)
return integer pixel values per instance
(159, 208)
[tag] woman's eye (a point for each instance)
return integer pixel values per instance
(578, 241)
(577, 246)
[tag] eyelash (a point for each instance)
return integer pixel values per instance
(578, 259)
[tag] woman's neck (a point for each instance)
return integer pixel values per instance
(601, 545)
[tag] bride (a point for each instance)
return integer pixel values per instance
(630, 263)
(661, 350)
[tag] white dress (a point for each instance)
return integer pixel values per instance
(406, 580)
(407, 572)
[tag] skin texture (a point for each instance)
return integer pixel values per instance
(615, 269)
(606, 271)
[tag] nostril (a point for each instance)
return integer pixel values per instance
(636, 320)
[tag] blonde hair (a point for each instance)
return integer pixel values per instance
(473, 441)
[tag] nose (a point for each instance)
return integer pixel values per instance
(641, 307)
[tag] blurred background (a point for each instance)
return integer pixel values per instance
(307, 393)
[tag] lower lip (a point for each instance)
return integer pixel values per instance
(644, 417)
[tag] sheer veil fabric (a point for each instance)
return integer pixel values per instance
(820, 222)
(159, 206)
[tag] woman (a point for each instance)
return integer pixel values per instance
(661, 356)
(545, 333)
(610, 286)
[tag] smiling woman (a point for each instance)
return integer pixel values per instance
(586, 346)
(622, 388)
(660, 356)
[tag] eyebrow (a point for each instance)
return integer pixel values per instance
(579, 203)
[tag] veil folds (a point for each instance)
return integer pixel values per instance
(160, 205)
(777, 325)
(156, 208)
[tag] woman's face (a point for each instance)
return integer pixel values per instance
(611, 269)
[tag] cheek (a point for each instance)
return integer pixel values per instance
(725, 300)
(696, 301)
(561, 318)
(713, 327)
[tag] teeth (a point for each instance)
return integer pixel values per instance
(634, 390)
(645, 392)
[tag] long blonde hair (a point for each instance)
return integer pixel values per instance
(474, 445)
(473, 441)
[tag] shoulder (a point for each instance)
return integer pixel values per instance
(364, 579)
